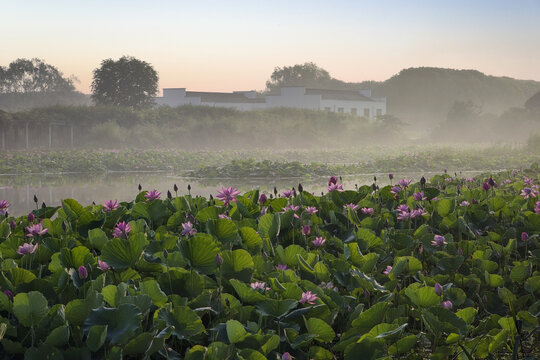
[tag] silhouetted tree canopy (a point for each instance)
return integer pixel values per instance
(307, 74)
(33, 76)
(125, 82)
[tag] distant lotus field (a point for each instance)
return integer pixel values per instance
(440, 268)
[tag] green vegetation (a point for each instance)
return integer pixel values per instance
(264, 163)
(447, 268)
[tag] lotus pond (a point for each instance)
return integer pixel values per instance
(443, 268)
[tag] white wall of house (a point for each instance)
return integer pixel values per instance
(294, 97)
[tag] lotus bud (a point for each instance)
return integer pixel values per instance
(175, 188)
(306, 230)
(375, 178)
(83, 273)
(31, 217)
(94, 203)
(422, 181)
(491, 182)
(275, 191)
(439, 289)
(391, 176)
(262, 198)
(270, 209)
(445, 171)
(367, 293)
(374, 187)
(12, 224)
(189, 187)
(218, 260)
(140, 187)
(169, 195)
(300, 188)
(447, 304)
(35, 199)
(165, 253)
(460, 252)
(485, 186)
(524, 236)
(43, 206)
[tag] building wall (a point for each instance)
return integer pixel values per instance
(294, 97)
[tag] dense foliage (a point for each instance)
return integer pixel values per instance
(264, 163)
(445, 268)
(125, 82)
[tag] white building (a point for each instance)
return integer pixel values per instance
(355, 102)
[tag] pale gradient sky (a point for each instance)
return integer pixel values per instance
(217, 45)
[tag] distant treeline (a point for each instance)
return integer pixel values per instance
(200, 127)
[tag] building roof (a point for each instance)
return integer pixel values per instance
(347, 95)
(219, 97)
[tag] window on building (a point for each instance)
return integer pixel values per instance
(327, 108)
(339, 109)
(366, 113)
(379, 112)
(354, 111)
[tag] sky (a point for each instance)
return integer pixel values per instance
(216, 45)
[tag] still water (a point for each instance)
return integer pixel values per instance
(19, 190)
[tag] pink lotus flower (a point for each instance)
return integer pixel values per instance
(306, 230)
(288, 193)
(404, 183)
(438, 241)
(227, 194)
(224, 216)
(528, 193)
(308, 297)
(83, 273)
(259, 286)
(404, 215)
(335, 187)
(35, 230)
(395, 190)
(103, 266)
(485, 186)
(122, 229)
(351, 206)
(367, 211)
(311, 210)
(537, 208)
(417, 212)
(152, 195)
(528, 181)
(291, 207)
(110, 205)
(524, 236)
(447, 304)
(333, 180)
(419, 196)
(402, 207)
(464, 203)
(281, 267)
(26, 249)
(4, 205)
(286, 356)
(188, 229)
(388, 270)
(319, 241)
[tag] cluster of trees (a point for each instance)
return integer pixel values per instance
(125, 82)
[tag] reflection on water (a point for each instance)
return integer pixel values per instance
(19, 191)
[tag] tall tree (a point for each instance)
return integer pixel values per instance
(125, 82)
(307, 74)
(33, 76)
